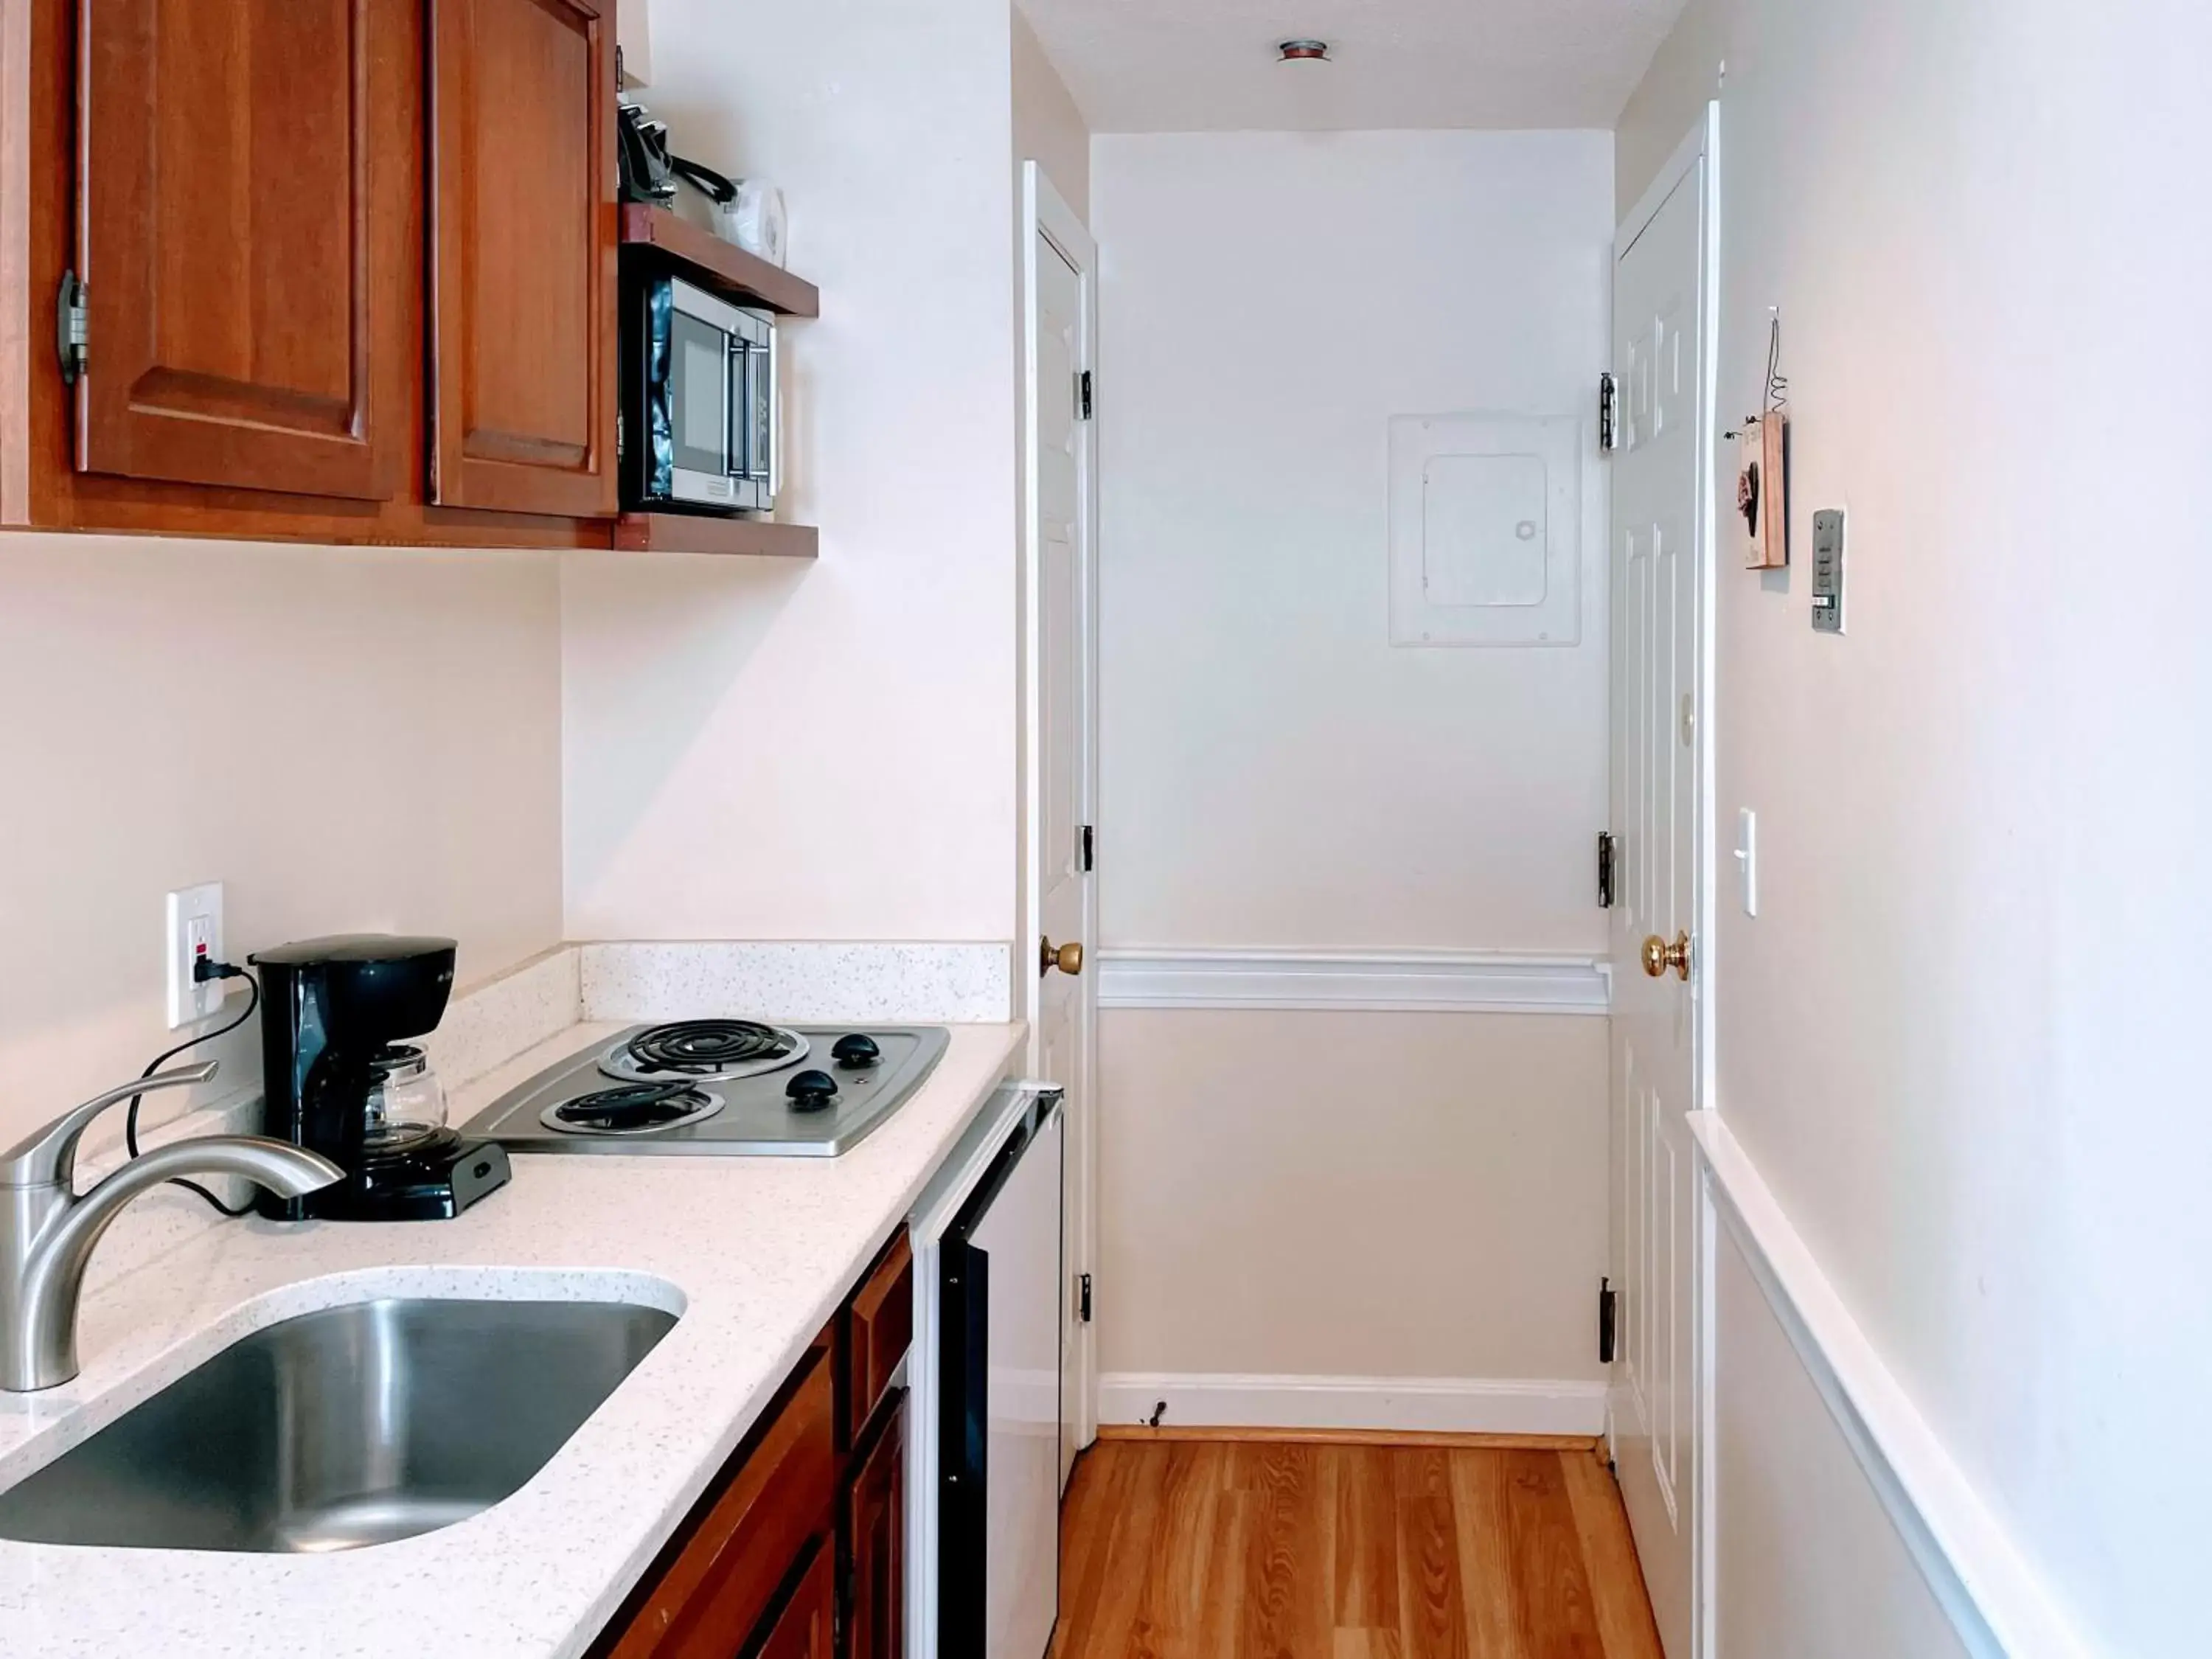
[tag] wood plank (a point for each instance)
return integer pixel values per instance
(1485, 1554)
(1286, 1593)
(723, 267)
(1625, 1621)
(1111, 1628)
(1173, 1605)
(1208, 1434)
(1431, 1612)
(1552, 1593)
(702, 532)
(1365, 1569)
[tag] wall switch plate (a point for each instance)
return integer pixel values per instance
(195, 931)
(1746, 858)
(1828, 570)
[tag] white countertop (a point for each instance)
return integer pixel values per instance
(756, 1253)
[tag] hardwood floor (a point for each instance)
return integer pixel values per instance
(1276, 1550)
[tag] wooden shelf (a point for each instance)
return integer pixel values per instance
(699, 533)
(714, 263)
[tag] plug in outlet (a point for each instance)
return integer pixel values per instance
(195, 933)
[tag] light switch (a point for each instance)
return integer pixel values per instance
(1828, 571)
(1746, 858)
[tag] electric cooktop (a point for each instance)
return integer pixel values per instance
(717, 1088)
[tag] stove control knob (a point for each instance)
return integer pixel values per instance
(856, 1051)
(811, 1091)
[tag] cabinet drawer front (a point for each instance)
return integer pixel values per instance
(242, 193)
(880, 1329)
(715, 1592)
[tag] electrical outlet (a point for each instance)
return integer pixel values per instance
(195, 932)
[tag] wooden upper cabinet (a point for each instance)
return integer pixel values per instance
(524, 245)
(234, 246)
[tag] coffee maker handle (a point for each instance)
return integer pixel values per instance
(47, 1157)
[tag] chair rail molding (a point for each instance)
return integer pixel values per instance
(1994, 1599)
(1415, 981)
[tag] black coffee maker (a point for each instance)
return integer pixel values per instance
(335, 1015)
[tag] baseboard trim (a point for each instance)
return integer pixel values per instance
(1413, 981)
(1994, 1600)
(1409, 1439)
(1310, 1405)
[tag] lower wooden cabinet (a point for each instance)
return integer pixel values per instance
(875, 1541)
(805, 1628)
(798, 1550)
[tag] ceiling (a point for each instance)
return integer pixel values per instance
(1210, 66)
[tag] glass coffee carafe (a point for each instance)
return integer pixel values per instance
(406, 1106)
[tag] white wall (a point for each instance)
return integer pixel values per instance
(347, 738)
(1298, 1193)
(1273, 771)
(1048, 129)
(1983, 812)
(1810, 1564)
(1289, 1194)
(828, 753)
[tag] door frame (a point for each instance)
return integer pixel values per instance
(1701, 144)
(1045, 213)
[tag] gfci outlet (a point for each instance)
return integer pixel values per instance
(195, 932)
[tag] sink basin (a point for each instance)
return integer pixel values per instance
(342, 1428)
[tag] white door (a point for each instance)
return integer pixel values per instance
(1661, 564)
(1062, 722)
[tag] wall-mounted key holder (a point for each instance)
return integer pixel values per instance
(1762, 476)
(1762, 490)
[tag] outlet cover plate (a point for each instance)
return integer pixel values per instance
(195, 929)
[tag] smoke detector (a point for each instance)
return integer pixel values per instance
(1305, 52)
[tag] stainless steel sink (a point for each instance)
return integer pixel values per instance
(349, 1426)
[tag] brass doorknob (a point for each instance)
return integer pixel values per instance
(1069, 958)
(1659, 956)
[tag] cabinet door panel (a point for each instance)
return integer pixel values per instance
(804, 1629)
(232, 240)
(875, 1531)
(523, 255)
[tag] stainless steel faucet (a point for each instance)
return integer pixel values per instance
(47, 1232)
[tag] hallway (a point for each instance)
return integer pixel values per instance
(1218, 1549)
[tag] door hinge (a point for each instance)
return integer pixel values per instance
(1083, 1298)
(1608, 413)
(1606, 1304)
(1608, 860)
(1082, 393)
(1088, 851)
(73, 327)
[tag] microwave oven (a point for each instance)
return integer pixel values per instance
(701, 417)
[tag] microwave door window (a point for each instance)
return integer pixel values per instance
(700, 368)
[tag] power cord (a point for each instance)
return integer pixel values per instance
(203, 969)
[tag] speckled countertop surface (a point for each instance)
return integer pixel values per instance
(755, 1254)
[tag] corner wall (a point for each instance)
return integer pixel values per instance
(1300, 1202)
(825, 752)
(1960, 1039)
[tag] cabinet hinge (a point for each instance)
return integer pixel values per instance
(1608, 860)
(1082, 393)
(1608, 413)
(1088, 852)
(1607, 1302)
(72, 328)
(1083, 1298)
